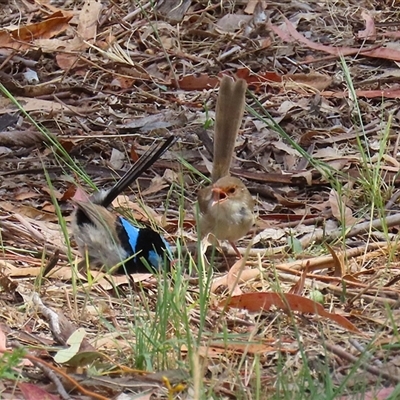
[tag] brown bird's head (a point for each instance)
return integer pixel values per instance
(227, 209)
(226, 188)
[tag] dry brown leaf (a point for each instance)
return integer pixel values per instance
(234, 277)
(111, 341)
(313, 79)
(88, 20)
(20, 39)
(36, 214)
(53, 45)
(165, 119)
(206, 351)
(262, 77)
(307, 175)
(292, 34)
(33, 104)
(339, 209)
(64, 273)
(388, 158)
(26, 138)
(147, 395)
(52, 192)
(369, 32)
(232, 22)
(63, 330)
(271, 234)
(329, 153)
(66, 61)
(255, 302)
(299, 286)
(107, 282)
(288, 202)
(45, 231)
(369, 94)
(156, 185)
(139, 211)
(172, 10)
(225, 349)
(226, 280)
(338, 261)
(281, 145)
(117, 159)
(168, 43)
(208, 164)
(49, 208)
(196, 82)
(26, 195)
(16, 272)
(122, 82)
(251, 5)
(32, 391)
(3, 346)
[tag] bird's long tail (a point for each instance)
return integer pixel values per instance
(228, 118)
(144, 163)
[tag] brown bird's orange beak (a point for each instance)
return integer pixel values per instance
(218, 195)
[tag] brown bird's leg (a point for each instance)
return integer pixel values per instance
(236, 250)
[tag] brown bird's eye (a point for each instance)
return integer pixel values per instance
(231, 190)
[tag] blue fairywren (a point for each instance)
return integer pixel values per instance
(107, 239)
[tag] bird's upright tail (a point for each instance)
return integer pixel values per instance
(228, 118)
(144, 163)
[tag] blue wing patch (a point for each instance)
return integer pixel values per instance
(168, 249)
(132, 232)
(148, 243)
(154, 259)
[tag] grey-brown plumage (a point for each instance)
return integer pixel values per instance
(96, 234)
(226, 207)
(107, 239)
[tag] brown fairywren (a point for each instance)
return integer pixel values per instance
(226, 206)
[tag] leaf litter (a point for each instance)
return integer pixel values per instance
(112, 77)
